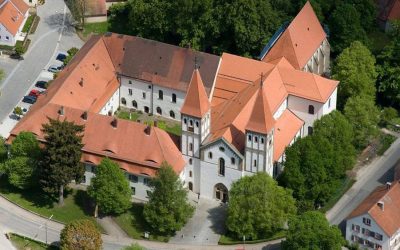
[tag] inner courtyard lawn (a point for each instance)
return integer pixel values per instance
(76, 203)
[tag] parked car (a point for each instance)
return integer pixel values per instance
(41, 84)
(29, 99)
(35, 93)
(61, 57)
(16, 56)
(54, 69)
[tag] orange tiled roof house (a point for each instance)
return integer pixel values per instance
(375, 223)
(13, 15)
(237, 114)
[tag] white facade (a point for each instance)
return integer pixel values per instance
(319, 62)
(112, 104)
(364, 231)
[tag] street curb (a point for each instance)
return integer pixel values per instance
(29, 211)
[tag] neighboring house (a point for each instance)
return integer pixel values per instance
(303, 43)
(388, 11)
(31, 2)
(13, 15)
(375, 223)
(237, 114)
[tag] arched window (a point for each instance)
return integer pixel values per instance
(255, 163)
(159, 111)
(191, 123)
(311, 109)
(210, 155)
(134, 104)
(221, 167)
(160, 94)
(233, 160)
(197, 124)
(184, 120)
(190, 186)
(190, 173)
(255, 138)
(249, 137)
(123, 101)
(310, 130)
(190, 161)
(262, 140)
(172, 114)
(174, 98)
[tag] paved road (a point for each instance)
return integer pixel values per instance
(378, 172)
(50, 37)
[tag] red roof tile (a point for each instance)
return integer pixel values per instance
(196, 101)
(12, 14)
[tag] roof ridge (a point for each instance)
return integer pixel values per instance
(319, 90)
(292, 48)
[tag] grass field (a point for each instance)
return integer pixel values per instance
(76, 203)
(227, 240)
(95, 28)
(23, 243)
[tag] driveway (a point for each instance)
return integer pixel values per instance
(378, 172)
(54, 33)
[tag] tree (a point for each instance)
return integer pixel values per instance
(363, 115)
(168, 208)
(339, 133)
(3, 150)
(21, 167)
(258, 207)
(311, 231)
(310, 172)
(18, 111)
(78, 10)
(80, 234)
(110, 188)
(345, 25)
(355, 69)
(71, 53)
(62, 154)
(387, 115)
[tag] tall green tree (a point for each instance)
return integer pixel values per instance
(363, 115)
(61, 157)
(345, 26)
(311, 231)
(21, 167)
(110, 188)
(356, 71)
(339, 133)
(168, 208)
(258, 207)
(80, 234)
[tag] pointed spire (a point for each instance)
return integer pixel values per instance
(196, 102)
(261, 119)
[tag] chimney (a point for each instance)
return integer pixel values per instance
(81, 82)
(381, 205)
(84, 115)
(147, 130)
(61, 110)
(114, 123)
(155, 124)
(388, 185)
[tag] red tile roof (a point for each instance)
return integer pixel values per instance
(387, 218)
(12, 14)
(389, 10)
(196, 101)
(300, 40)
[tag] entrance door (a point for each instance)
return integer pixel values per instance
(221, 192)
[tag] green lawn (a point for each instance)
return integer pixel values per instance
(95, 28)
(133, 223)
(227, 240)
(76, 203)
(23, 243)
(125, 115)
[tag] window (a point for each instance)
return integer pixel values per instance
(255, 163)
(355, 228)
(377, 246)
(329, 103)
(7, 38)
(367, 221)
(197, 124)
(210, 155)
(146, 181)
(262, 140)
(233, 161)
(378, 236)
(185, 120)
(160, 95)
(190, 146)
(173, 98)
(133, 178)
(144, 95)
(249, 137)
(270, 142)
(133, 189)
(310, 130)
(159, 111)
(221, 167)
(146, 109)
(222, 149)
(134, 104)
(130, 91)
(149, 86)
(191, 122)
(130, 82)
(311, 109)
(190, 161)
(172, 114)
(83, 179)
(255, 139)
(123, 101)
(93, 169)
(190, 174)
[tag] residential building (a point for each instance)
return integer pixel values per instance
(31, 2)
(388, 11)
(237, 114)
(13, 15)
(375, 223)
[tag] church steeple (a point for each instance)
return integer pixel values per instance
(261, 118)
(196, 101)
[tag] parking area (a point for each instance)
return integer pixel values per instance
(37, 89)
